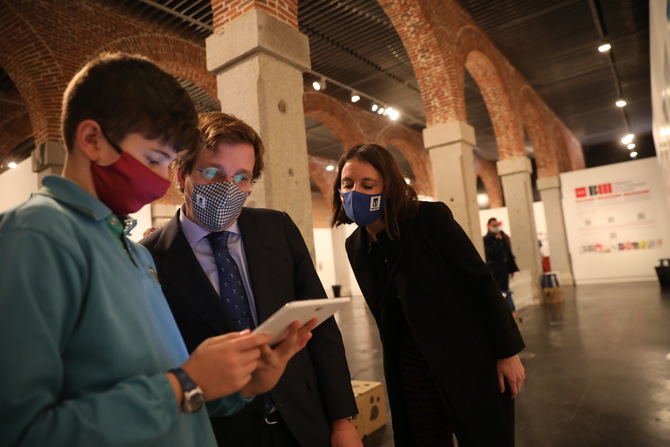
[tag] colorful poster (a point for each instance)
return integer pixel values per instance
(616, 221)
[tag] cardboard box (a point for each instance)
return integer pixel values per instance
(552, 294)
(372, 406)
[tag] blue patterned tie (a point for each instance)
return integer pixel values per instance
(235, 302)
(231, 288)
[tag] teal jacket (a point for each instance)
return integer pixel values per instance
(86, 335)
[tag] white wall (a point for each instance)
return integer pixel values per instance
(618, 232)
(17, 184)
(325, 262)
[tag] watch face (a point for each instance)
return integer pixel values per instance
(193, 400)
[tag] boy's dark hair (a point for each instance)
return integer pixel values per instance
(400, 199)
(219, 127)
(127, 93)
(493, 219)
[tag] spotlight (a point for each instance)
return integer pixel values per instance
(628, 138)
(380, 111)
(330, 168)
(621, 103)
(631, 146)
(604, 48)
(319, 85)
(11, 165)
(355, 97)
(633, 154)
(374, 107)
(408, 180)
(393, 114)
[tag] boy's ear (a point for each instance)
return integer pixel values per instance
(88, 137)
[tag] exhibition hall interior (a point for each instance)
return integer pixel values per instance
(543, 126)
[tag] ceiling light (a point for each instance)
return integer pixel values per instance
(355, 97)
(393, 114)
(330, 168)
(633, 154)
(380, 111)
(621, 103)
(408, 180)
(374, 107)
(604, 48)
(628, 138)
(11, 165)
(482, 199)
(631, 146)
(320, 84)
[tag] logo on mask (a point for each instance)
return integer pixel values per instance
(375, 203)
(200, 200)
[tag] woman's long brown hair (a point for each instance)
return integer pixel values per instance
(400, 200)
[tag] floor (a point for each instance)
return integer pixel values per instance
(597, 366)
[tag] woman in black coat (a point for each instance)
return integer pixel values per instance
(450, 343)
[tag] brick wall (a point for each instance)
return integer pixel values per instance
(42, 45)
(488, 172)
(441, 38)
(225, 11)
(351, 126)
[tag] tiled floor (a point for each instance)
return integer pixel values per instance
(597, 365)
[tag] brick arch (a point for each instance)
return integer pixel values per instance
(173, 54)
(410, 146)
(34, 70)
(545, 154)
(336, 117)
(432, 59)
(506, 125)
(15, 129)
(561, 148)
(487, 171)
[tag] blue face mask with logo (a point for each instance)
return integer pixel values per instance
(362, 208)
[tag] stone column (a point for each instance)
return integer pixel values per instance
(550, 191)
(48, 158)
(340, 259)
(258, 61)
(450, 148)
(515, 174)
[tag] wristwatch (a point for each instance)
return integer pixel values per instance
(194, 398)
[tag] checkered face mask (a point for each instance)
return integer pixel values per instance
(217, 205)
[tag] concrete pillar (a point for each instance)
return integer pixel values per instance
(48, 158)
(450, 148)
(550, 191)
(515, 174)
(258, 61)
(341, 261)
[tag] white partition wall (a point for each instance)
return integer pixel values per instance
(617, 221)
(17, 184)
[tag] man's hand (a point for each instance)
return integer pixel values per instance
(272, 361)
(223, 365)
(344, 434)
(512, 370)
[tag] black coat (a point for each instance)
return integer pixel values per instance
(315, 388)
(457, 317)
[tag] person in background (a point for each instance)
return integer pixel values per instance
(224, 267)
(91, 354)
(500, 259)
(449, 342)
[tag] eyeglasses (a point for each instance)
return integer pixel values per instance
(216, 173)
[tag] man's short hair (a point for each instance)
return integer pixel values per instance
(493, 219)
(126, 94)
(219, 127)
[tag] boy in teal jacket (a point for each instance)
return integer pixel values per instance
(91, 355)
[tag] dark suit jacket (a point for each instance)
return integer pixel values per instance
(315, 388)
(456, 314)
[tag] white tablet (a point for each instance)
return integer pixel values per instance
(301, 311)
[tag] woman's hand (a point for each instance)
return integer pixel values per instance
(512, 370)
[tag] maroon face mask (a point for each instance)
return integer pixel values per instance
(127, 185)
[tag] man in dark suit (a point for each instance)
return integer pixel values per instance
(224, 268)
(500, 259)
